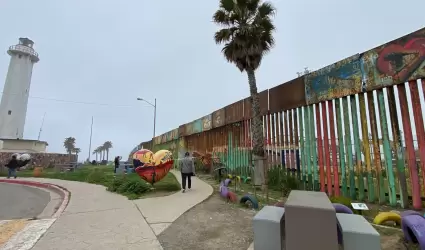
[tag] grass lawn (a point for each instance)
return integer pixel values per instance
(130, 185)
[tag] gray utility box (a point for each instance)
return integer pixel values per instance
(310, 222)
(357, 233)
(269, 228)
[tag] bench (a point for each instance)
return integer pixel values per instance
(269, 228)
(67, 167)
(357, 233)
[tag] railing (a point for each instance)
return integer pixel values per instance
(24, 49)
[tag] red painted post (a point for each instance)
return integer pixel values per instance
(333, 148)
(419, 124)
(327, 155)
(320, 149)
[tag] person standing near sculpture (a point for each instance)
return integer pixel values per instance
(12, 165)
(187, 169)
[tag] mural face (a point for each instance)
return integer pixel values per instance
(161, 163)
(395, 62)
(206, 123)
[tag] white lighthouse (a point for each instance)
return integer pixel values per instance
(14, 101)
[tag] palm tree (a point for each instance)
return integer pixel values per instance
(101, 154)
(247, 35)
(69, 145)
(107, 145)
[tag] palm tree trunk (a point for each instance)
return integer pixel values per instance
(107, 155)
(260, 163)
(257, 122)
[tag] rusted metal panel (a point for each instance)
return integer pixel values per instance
(189, 128)
(206, 122)
(264, 102)
(234, 112)
(182, 130)
(218, 118)
(247, 109)
(288, 95)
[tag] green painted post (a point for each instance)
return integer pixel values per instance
(307, 147)
(359, 165)
(398, 148)
(349, 149)
(341, 147)
(313, 142)
(387, 148)
(302, 146)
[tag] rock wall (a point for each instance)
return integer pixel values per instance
(41, 159)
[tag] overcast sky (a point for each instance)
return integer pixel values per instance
(111, 52)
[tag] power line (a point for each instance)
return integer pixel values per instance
(75, 102)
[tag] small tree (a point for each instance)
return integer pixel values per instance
(69, 145)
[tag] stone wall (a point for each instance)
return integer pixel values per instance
(41, 159)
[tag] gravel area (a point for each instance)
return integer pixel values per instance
(213, 224)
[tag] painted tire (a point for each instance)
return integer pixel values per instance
(342, 209)
(409, 212)
(387, 216)
(413, 227)
(279, 204)
(251, 199)
(227, 182)
(232, 197)
(224, 191)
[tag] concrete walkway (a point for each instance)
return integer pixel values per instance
(97, 219)
(160, 212)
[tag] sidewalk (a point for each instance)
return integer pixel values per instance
(160, 212)
(97, 219)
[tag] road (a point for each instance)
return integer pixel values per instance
(18, 201)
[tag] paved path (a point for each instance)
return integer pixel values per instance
(97, 219)
(19, 201)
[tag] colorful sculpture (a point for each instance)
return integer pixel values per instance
(153, 167)
(142, 157)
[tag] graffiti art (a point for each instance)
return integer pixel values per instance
(155, 167)
(142, 157)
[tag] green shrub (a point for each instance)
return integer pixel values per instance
(279, 179)
(115, 184)
(96, 177)
(342, 200)
(133, 186)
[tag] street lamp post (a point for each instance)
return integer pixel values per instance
(154, 113)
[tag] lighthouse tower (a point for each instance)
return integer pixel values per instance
(14, 101)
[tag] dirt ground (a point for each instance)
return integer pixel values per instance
(213, 224)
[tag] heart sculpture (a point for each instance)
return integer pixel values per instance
(155, 167)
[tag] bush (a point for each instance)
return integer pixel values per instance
(96, 177)
(133, 186)
(280, 179)
(341, 200)
(115, 184)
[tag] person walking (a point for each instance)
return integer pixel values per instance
(12, 165)
(187, 169)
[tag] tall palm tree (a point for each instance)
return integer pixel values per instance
(107, 145)
(69, 145)
(101, 153)
(247, 35)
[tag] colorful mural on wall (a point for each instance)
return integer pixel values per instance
(206, 123)
(395, 62)
(218, 118)
(333, 157)
(334, 81)
(197, 126)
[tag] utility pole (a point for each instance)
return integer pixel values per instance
(91, 134)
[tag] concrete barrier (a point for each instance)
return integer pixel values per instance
(310, 222)
(269, 228)
(357, 233)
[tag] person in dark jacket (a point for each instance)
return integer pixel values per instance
(187, 169)
(12, 166)
(116, 163)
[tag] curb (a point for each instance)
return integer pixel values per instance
(63, 192)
